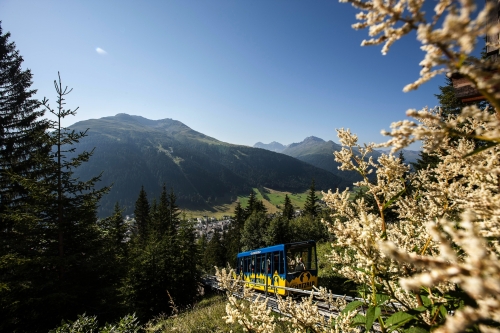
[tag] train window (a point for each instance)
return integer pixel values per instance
(257, 264)
(303, 254)
(248, 265)
(278, 262)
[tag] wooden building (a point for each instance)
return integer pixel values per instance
(464, 89)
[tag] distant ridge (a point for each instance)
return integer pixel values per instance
(273, 146)
(318, 152)
(132, 151)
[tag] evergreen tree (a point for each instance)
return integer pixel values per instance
(311, 206)
(23, 141)
(186, 275)
(215, 253)
(233, 235)
(306, 228)
(259, 207)
(62, 242)
(449, 104)
(141, 212)
(252, 236)
(161, 221)
(278, 231)
(252, 201)
(21, 137)
(174, 212)
(288, 211)
(116, 229)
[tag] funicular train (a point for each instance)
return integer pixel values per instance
(270, 269)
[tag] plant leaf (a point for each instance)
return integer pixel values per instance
(372, 313)
(394, 198)
(488, 145)
(352, 306)
(382, 298)
(397, 319)
(358, 320)
(416, 330)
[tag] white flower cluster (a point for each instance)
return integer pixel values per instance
(430, 231)
(446, 46)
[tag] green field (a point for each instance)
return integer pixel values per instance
(273, 200)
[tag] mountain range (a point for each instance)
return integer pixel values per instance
(132, 151)
(318, 152)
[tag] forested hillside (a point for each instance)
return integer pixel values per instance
(132, 151)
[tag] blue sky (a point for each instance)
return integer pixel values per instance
(240, 71)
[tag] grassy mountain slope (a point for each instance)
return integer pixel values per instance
(132, 151)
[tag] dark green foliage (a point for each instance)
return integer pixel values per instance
(215, 253)
(141, 213)
(57, 269)
(163, 263)
(426, 160)
(288, 210)
(252, 203)
(90, 324)
(21, 135)
(23, 141)
(307, 228)
(311, 206)
(252, 236)
(233, 235)
(449, 104)
(278, 231)
(187, 275)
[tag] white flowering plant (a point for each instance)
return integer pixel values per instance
(436, 265)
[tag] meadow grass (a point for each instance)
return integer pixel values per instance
(204, 317)
(276, 198)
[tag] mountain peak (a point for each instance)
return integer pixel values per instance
(313, 139)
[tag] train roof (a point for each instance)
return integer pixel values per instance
(273, 248)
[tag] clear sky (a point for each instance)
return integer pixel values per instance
(240, 71)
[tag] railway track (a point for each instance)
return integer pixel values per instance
(323, 307)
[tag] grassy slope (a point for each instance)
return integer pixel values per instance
(275, 198)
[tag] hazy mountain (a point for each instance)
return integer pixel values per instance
(410, 156)
(273, 146)
(319, 153)
(132, 151)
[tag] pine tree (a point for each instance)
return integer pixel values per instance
(141, 213)
(288, 211)
(186, 275)
(233, 235)
(252, 236)
(62, 240)
(72, 204)
(278, 231)
(174, 212)
(252, 201)
(22, 140)
(259, 207)
(311, 206)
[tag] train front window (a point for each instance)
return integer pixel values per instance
(301, 257)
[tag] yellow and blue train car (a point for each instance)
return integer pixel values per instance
(292, 265)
